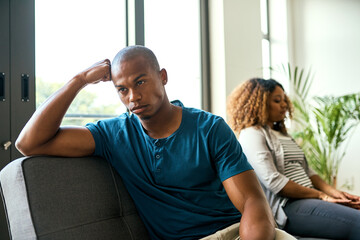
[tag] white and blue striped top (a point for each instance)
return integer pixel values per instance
(293, 157)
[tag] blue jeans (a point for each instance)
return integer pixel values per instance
(317, 218)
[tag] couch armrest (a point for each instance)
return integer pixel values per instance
(16, 201)
(68, 198)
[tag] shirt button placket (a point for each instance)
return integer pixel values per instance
(158, 150)
(158, 156)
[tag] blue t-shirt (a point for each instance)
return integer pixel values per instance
(175, 182)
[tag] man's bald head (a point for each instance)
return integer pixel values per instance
(131, 52)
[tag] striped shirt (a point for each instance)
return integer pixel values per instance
(293, 157)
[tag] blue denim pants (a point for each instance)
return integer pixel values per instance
(317, 218)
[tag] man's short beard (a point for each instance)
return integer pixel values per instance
(145, 118)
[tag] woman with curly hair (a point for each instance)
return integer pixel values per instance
(302, 203)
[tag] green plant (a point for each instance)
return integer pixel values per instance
(322, 125)
(85, 104)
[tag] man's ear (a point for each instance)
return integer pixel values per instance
(163, 76)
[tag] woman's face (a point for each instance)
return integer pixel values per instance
(277, 106)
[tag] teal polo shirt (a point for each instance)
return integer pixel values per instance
(175, 182)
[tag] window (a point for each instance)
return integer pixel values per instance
(172, 31)
(67, 44)
(264, 8)
(70, 36)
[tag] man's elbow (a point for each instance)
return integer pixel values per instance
(261, 232)
(23, 148)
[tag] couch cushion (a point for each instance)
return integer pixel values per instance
(79, 198)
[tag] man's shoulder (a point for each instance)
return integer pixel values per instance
(196, 112)
(112, 122)
(199, 119)
(202, 117)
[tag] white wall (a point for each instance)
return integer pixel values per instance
(326, 36)
(235, 47)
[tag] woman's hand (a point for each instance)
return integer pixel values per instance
(354, 200)
(343, 198)
(330, 194)
(323, 196)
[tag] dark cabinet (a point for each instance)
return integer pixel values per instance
(17, 79)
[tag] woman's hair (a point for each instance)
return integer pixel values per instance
(247, 105)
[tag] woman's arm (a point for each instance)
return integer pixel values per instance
(253, 143)
(256, 150)
(294, 190)
(323, 186)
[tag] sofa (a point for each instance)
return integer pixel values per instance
(57, 198)
(67, 198)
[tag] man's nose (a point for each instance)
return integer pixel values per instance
(134, 96)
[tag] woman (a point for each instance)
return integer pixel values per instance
(302, 203)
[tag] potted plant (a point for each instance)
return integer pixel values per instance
(322, 125)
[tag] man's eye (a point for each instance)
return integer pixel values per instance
(121, 90)
(139, 82)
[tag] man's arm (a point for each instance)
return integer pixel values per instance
(43, 135)
(247, 196)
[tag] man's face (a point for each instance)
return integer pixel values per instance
(140, 87)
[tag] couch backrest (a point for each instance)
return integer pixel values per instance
(68, 198)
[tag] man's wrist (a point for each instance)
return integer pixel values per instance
(78, 81)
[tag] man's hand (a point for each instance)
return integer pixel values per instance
(99, 71)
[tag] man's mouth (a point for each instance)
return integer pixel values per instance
(138, 109)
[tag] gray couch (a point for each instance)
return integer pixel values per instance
(68, 198)
(56, 198)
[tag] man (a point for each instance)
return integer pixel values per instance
(183, 167)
